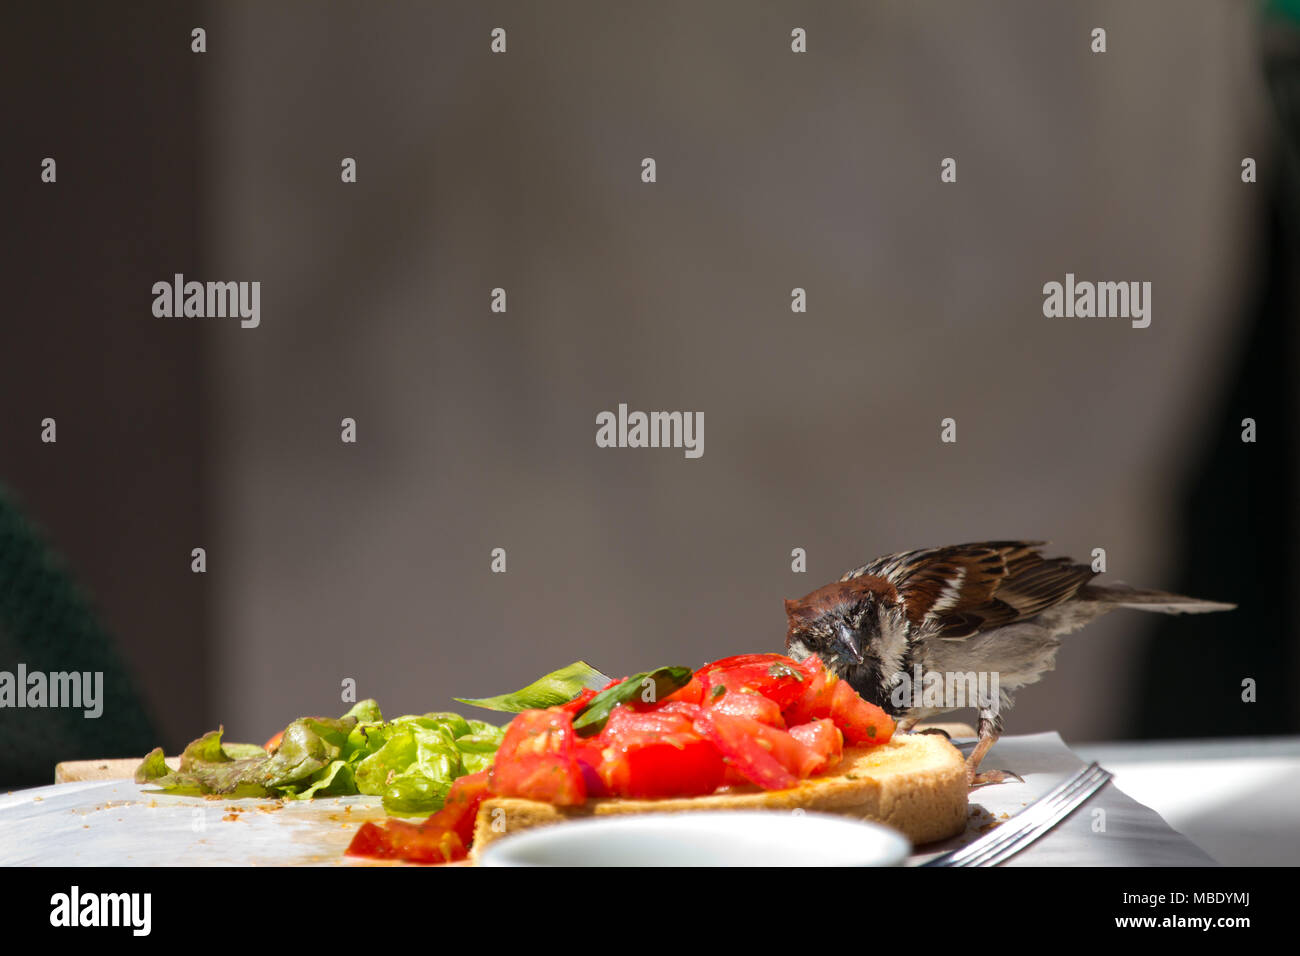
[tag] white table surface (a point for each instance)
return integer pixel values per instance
(1237, 799)
(1111, 829)
(1241, 803)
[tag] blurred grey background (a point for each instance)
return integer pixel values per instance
(476, 430)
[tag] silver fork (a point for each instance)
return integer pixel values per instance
(1031, 823)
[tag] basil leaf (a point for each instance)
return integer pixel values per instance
(557, 687)
(666, 680)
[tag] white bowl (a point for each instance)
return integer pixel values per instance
(703, 838)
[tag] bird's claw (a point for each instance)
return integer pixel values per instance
(934, 730)
(986, 777)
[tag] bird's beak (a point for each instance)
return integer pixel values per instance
(850, 641)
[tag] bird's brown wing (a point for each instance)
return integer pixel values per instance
(967, 588)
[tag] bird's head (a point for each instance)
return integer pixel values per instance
(839, 623)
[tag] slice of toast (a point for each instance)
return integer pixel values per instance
(916, 784)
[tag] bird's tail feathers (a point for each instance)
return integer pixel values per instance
(1145, 599)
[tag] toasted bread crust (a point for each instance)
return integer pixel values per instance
(916, 784)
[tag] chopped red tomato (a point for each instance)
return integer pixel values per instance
(863, 723)
(790, 752)
(690, 711)
(372, 840)
(666, 768)
(537, 732)
(692, 693)
(627, 725)
(814, 702)
(658, 753)
(742, 660)
(461, 806)
(775, 676)
(745, 703)
(824, 739)
(737, 740)
(550, 778)
(536, 760)
(442, 838)
(413, 842)
(589, 755)
(574, 706)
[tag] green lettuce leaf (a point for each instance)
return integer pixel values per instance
(309, 745)
(410, 761)
(479, 749)
(153, 768)
(205, 768)
(336, 780)
(366, 710)
(416, 763)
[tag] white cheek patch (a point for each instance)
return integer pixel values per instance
(797, 649)
(891, 642)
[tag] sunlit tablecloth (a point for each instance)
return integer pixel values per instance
(1111, 829)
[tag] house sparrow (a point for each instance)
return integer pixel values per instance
(994, 608)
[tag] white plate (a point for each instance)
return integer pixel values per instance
(724, 838)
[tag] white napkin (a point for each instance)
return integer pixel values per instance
(1111, 829)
